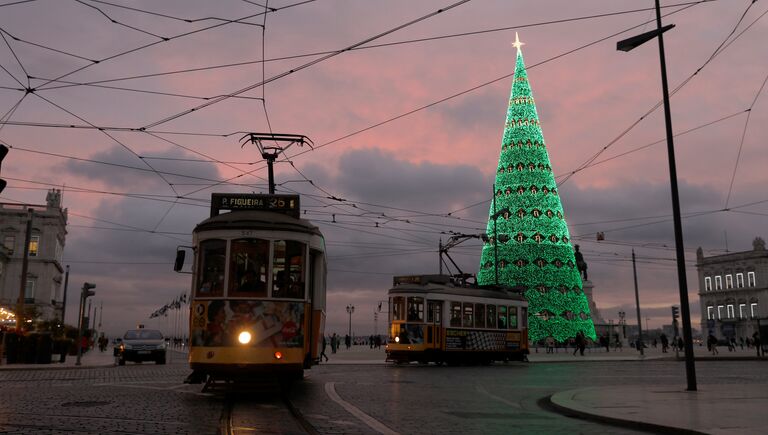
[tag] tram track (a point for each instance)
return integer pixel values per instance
(244, 414)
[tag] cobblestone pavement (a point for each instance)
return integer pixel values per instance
(496, 399)
(135, 399)
(335, 399)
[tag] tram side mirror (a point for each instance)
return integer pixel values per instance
(179, 263)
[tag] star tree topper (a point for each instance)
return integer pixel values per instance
(517, 44)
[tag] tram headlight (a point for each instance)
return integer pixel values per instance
(397, 339)
(278, 355)
(244, 337)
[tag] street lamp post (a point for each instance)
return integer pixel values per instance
(627, 45)
(623, 325)
(350, 310)
(84, 294)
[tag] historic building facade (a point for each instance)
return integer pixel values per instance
(44, 280)
(733, 291)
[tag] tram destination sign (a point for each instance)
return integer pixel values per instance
(287, 204)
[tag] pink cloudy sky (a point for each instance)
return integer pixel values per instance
(432, 162)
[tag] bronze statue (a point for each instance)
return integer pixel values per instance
(580, 263)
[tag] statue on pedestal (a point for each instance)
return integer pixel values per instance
(580, 263)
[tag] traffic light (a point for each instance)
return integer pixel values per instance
(675, 313)
(3, 153)
(87, 292)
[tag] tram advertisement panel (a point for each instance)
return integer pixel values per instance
(271, 323)
(462, 339)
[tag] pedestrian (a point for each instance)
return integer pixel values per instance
(680, 343)
(756, 342)
(550, 341)
(664, 342)
(322, 353)
(654, 343)
(370, 342)
(712, 343)
(741, 342)
(334, 343)
(348, 341)
(579, 344)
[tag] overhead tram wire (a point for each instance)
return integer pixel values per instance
(16, 3)
(15, 56)
(741, 142)
(132, 129)
(181, 35)
(111, 137)
(157, 14)
(720, 48)
(388, 44)
(476, 87)
(304, 66)
(120, 23)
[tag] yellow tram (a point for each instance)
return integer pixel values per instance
(258, 290)
(434, 318)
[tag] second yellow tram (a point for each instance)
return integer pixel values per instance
(433, 318)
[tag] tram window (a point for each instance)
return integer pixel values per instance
(212, 264)
(468, 317)
(479, 315)
(288, 269)
(415, 309)
(455, 313)
(523, 317)
(398, 308)
(502, 317)
(512, 317)
(434, 310)
(248, 267)
(491, 317)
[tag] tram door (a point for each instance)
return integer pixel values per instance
(434, 318)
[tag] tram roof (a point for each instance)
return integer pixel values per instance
(422, 284)
(257, 220)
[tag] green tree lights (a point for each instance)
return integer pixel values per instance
(533, 246)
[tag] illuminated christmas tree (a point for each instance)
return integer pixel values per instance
(528, 241)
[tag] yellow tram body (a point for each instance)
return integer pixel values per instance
(258, 296)
(434, 319)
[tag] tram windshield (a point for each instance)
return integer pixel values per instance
(248, 267)
(288, 269)
(212, 265)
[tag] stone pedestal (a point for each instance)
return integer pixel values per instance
(594, 313)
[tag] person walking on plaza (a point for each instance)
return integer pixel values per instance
(550, 341)
(664, 342)
(579, 344)
(712, 343)
(334, 343)
(322, 353)
(756, 342)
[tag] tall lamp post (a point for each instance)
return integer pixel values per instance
(85, 293)
(350, 310)
(627, 45)
(623, 325)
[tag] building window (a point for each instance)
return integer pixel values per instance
(720, 311)
(753, 309)
(29, 291)
(742, 309)
(739, 280)
(34, 245)
(728, 281)
(751, 279)
(718, 282)
(708, 284)
(710, 313)
(731, 314)
(9, 242)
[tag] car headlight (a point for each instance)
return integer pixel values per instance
(397, 339)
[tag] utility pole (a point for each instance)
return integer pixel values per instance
(637, 306)
(64, 301)
(84, 294)
(24, 268)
